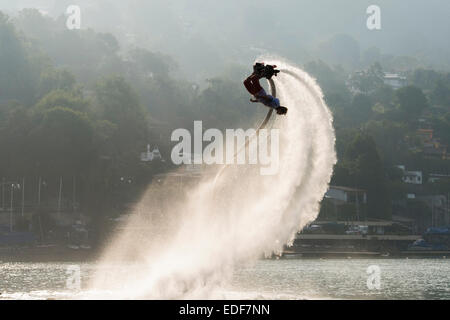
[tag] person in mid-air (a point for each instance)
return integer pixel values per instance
(254, 87)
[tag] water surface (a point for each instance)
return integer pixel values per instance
(266, 279)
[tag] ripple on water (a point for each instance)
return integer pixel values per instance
(266, 279)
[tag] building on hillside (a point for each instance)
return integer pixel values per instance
(425, 135)
(436, 177)
(435, 150)
(346, 195)
(343, 203)
(413, 177)
(394, 80)
(431, 145)
(440, 213)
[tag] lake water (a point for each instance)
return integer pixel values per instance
(267, 279)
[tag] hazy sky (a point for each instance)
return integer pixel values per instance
(205, 32)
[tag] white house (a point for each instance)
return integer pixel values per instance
(394, 80)
(414, 177)
(347, 195)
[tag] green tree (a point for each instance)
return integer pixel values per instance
(63, 142)
(384, 95)
(366, 168)
(15, 127)
(411, 101)
(441, 93)
(72, 99)
(361, 108)
(151, 64)
(331, 80)
(53, 79)
(425, 79)
(367, 81)
(441, 126)
(389, 136)
(371, 55)
(117, 103)
(16, 76)
(223, 104)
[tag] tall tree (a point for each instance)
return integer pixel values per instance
(16, 81)
(63, 142)
(366, 168)
(411, 101)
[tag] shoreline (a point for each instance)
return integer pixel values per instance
(47, 254)
(59, 253)
(366, 255)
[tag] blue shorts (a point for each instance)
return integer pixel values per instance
(267, 99)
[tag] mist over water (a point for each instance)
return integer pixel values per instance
(186, 242)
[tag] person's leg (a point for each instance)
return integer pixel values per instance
(267, 99)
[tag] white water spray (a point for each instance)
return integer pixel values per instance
(198, 236)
